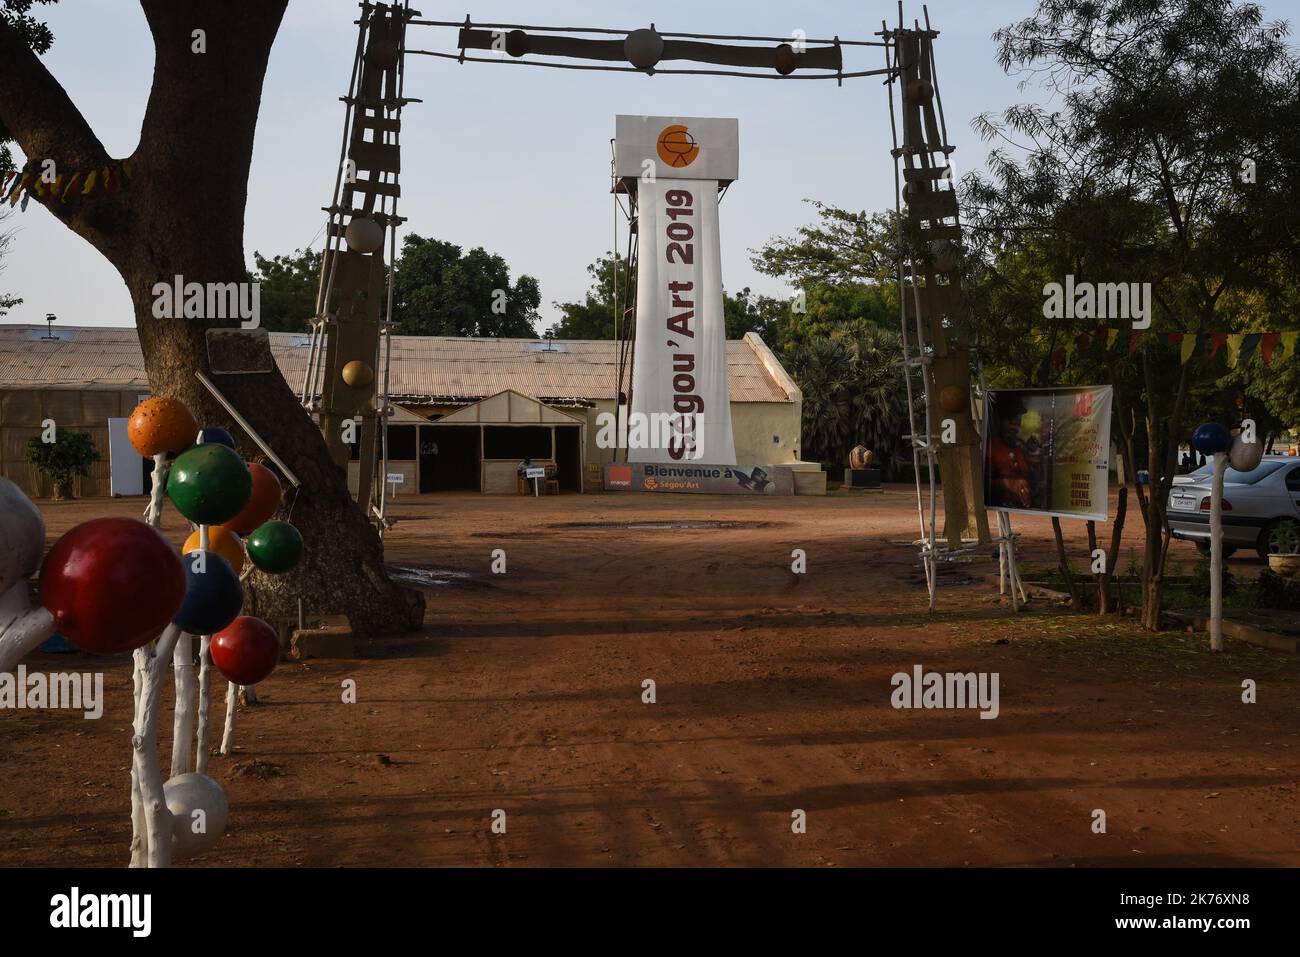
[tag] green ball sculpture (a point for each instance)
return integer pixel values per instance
(209, 484)
(274, 547)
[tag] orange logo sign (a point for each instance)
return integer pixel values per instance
(677, 147)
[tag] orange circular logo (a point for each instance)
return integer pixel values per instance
(677, 147)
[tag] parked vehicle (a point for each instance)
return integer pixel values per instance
(1261, 508)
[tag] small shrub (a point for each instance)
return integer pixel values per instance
(61, 461)
(1274, 591)
(1200, 585)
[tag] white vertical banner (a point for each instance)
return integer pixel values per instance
(680, 365)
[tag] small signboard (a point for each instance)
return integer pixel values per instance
(715, 479)
(534, 473)
(396, 478)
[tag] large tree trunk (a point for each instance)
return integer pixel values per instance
(183, 214)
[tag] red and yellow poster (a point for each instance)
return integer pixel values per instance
(1047, 451)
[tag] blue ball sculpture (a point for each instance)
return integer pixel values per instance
(212, 433)
(1211, 438)
(213, 595)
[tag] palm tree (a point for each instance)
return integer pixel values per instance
(879, 392)
(853, 393)
(822, 369)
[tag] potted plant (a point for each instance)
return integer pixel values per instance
(61, 461)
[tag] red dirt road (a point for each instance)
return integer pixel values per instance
(524, 694)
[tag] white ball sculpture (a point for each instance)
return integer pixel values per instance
(364, 235)
(1244, 456)
(22, 532)
(194, 833)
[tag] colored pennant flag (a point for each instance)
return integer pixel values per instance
(1188, 347)
(1132, 342)
(1288, 344)
(1249, 343)
(1234, 349)
(1266, 346)
(1111, 336)
(1216, 343)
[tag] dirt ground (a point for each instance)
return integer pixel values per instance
(524, 694)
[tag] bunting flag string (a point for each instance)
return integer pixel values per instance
(19, 184)
(1238, 347)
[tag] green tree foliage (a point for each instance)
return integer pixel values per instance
(593, 318)
(441, 290)
(61, 461)
(17, 15)
(1136, 175)
(7, 301)
(289, 285)
(748, 311)
(853, 394)
(838, 335)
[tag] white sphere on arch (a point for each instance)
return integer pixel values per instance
(364, 235)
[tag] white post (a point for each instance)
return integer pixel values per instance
(186, 690)
(1013, 573)
(139, 821)
(1002, 563)
(1216, 552)
(205, 699)
(183, 721)
(22, 628)
(148, 769)
(232, 700)
(139, 828)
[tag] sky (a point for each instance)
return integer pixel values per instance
(514, 158)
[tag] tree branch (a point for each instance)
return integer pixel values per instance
(38, 112)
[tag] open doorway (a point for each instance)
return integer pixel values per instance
(568, 458)
(449, 458)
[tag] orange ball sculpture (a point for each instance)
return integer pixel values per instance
(161, 424)
(222, 541)
(262, 504)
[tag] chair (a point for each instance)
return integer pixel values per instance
(594, 478)
(552, 486)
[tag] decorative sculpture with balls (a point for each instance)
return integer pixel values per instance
(113, 585)
(1244, 452)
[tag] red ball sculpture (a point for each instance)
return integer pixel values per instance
(262, 504)
(112, 585)
(246, 651)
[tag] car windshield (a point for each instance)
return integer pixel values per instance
(1262, 470)
(1205, 474)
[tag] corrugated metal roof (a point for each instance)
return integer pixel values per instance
(422, 366)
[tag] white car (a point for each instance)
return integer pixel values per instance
(1261, 508)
